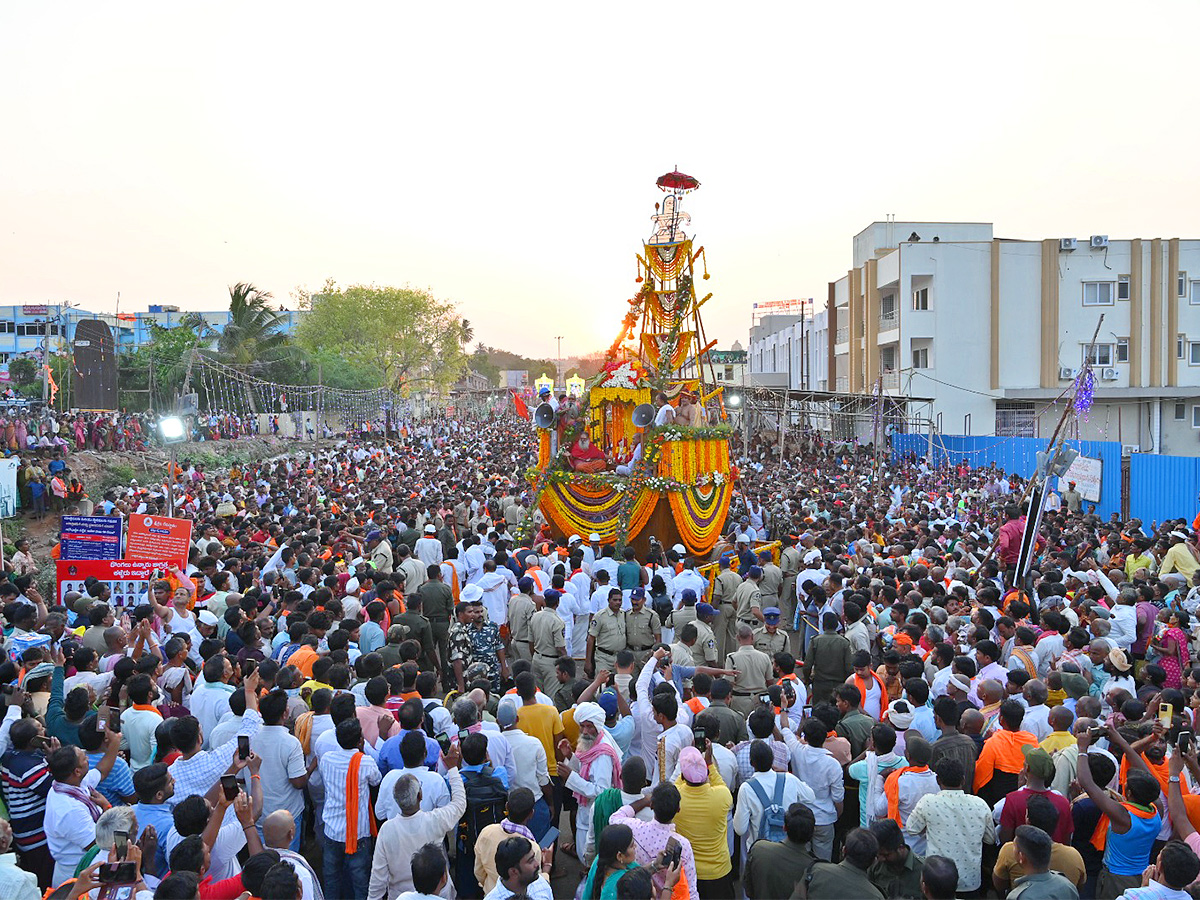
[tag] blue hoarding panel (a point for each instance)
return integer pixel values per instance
(1015, 455)
(1163, 487)
(91, 537)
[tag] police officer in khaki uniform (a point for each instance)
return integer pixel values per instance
(725, 622)
(521, 608)
(753, 672)
(606, 636)
(641, 628)
(748, 599)
(769, 639)
(548, 636)
(686, 612)
(706, 643)
(789, 566)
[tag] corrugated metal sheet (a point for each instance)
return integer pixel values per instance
(1018, 456)
(1163, 487)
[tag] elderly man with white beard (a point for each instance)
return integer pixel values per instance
(593, 766)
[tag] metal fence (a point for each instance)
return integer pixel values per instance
(1163, 487)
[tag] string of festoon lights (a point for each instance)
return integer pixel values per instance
(254, 405)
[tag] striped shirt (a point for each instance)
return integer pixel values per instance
(26, 783)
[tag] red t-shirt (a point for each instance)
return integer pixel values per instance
(1013, 813)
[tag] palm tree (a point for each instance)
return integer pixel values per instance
(254, 337)
(466, 332)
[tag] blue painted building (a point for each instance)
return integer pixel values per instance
(32, 329)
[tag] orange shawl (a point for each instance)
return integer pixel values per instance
(1100, 835)
(891, 788)
(352, 806)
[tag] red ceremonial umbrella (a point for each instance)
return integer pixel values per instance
(677, 181)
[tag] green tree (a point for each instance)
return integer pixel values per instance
(23, 370)
(254, 337)
(404, 335)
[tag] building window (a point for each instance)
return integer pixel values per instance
(729, 373)
(1180, 412)
(1122, 350)
(1196, 416)
(1097, 293)
(1194, 297)
(1122, 287)
(8, 328)
(921, 299)
(1098, 354)
(1194, 353)
(921, 358)
(1181, 283)
(1180, 343)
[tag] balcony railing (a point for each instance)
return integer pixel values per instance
(891, 380)
(843, 384)
(888, 320)
(843, 335)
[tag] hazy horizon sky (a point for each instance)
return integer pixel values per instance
(504, 156)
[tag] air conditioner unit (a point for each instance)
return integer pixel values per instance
(1067, 244)
(1109, 374)
(1099, 241)
(1130, 449)
(1065, 373)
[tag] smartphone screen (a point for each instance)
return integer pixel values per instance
(1184, 741)
(230, 786)
(1166, 712)
(765, 699)
(548, 838)
(699, 739)
(243, 746)
(118, 873)
(101, 724)
(121, 843)
(463, 734)
(443, 741)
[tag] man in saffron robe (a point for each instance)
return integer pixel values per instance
(585, 456)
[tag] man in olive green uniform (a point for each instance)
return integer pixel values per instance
(768, 638)
(606, 636)
(420, 630)
(754, 672)
(771, 583)
(829, 661)
(641, 627)
(748, 600)
(548, 636)
(789, 566)
(521, 608)
(725, 623)
(437, 604)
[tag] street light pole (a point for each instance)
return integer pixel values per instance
(558, 360)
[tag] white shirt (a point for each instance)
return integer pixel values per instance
(817, 768)
(747, 815)
(1037, 721)
(429, 550)
(1122, 626)
(15, 882)
(532, 767)
(209, 704)
(69, 827)
(435, 793)
(910, 788)
(334, 767)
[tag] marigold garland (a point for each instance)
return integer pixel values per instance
(699, 515)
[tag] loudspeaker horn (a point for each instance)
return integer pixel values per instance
(543, 416)
(643, 415)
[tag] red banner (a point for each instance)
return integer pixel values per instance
(128, 579)
(157, 537)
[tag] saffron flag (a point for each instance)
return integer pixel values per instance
(522, 409)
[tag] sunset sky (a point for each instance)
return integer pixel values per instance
(504, 155)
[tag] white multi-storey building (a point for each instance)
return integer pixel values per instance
(790, 351)
(995, 330)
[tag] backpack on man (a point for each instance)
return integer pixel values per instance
(770, 823)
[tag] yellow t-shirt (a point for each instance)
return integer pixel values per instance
(544, 723)
(1056, 740)
(702, 819)
(1064, 859)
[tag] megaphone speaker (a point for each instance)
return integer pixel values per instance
(543, 416)
(643, 415)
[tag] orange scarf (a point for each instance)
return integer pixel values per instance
(303, 731)
(352, 806)
(891, 787)
(861, 684)
(1100, 835)
(1160, 772)
(1026, 660)
(146, 707)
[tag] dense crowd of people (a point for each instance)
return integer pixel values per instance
(380, 674)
